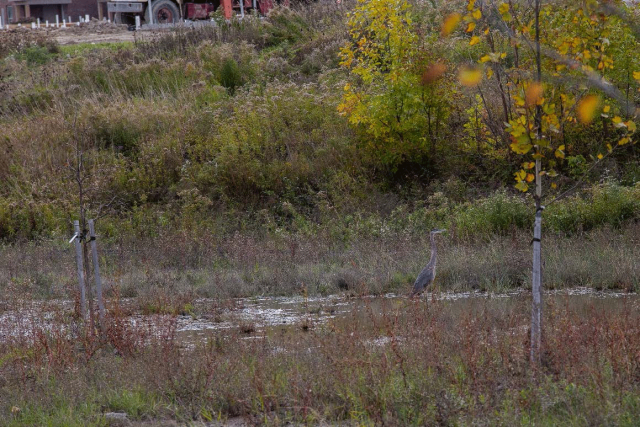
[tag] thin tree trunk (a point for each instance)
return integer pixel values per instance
(536, 274)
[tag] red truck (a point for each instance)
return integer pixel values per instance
(173, 11)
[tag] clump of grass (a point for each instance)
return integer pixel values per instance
(161, 300)
(608, 204)
(28, 44)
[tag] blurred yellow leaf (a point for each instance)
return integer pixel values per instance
(470, 76)
(553, 185)
(533, 94)
(450, 23)
(631, 125)
(623, 141)
(522, 186)
(433, 73)
(600, 156)
(477, 14)
(503, 8)
(586, 109)
(485, 58)
(474, 40)
(636, 75)
(606, 109)
(470, 27)
(530, 177)
(520, 175)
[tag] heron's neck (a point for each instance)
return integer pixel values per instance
(434, 250)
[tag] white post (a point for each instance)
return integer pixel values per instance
(57, 21)
(33, 25)
(150, 9)
(38, 22)
(242, 8)
(137, 22)
(536, 290)
(80, 264)
(87, 18)
(96, 272)
(46, 23)
(255, 7)
(1, 26)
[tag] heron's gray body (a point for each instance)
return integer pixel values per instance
(428, 274)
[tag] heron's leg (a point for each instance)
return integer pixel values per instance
(434, 289)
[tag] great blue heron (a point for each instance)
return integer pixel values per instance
(426, 276)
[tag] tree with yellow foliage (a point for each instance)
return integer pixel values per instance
(395, 96)
(558, 64)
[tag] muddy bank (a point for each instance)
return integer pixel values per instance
(252, 318)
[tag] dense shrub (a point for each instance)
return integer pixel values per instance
(607, 204)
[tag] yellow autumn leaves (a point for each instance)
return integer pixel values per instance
(450, 23)
(587, 108)
(470, 76)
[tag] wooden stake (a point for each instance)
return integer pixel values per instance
(96, 272)
(80, 264)
(536, 290)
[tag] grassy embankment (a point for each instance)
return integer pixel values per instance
(487, 248)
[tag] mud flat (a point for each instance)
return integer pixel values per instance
(253, 317)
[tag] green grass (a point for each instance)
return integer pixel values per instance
(80, 49)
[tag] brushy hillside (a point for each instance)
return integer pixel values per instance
(237, 128)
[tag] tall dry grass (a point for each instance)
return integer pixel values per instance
(245, 264)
